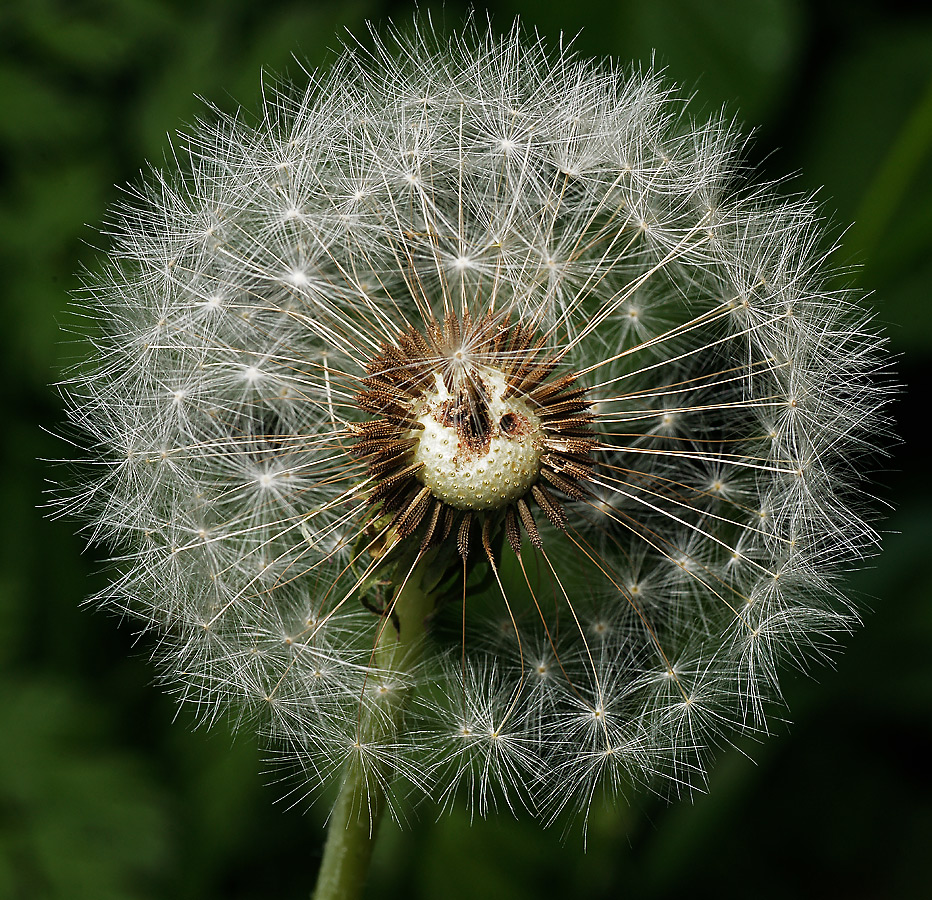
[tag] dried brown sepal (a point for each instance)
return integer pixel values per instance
(551, 507)
(530, 526)
(560, 408)
(569, 486)
(574, 426)
(449, 517)
(431, 531)
(408, 519)
(513, 529)
(385, 484)
(462, 536)
(487, 539)
(545, 391)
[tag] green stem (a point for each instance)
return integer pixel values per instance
(355, 818)
(350, 839)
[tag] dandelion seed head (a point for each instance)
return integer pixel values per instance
(513, 318)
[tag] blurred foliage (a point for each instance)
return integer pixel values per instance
(103, 795)
(81, 818)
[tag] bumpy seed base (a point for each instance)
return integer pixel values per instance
(489, 476)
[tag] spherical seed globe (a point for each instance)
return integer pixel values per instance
(481, 315)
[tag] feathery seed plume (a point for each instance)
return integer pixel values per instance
(469, 422)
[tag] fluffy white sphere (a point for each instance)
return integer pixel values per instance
(689, 506)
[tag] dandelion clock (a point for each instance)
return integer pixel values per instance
(470, 426)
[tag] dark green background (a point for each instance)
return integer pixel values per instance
(102, 796)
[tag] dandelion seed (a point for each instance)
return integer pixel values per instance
(480, 333)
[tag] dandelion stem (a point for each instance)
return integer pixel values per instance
(355, 819)
(350, 839)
